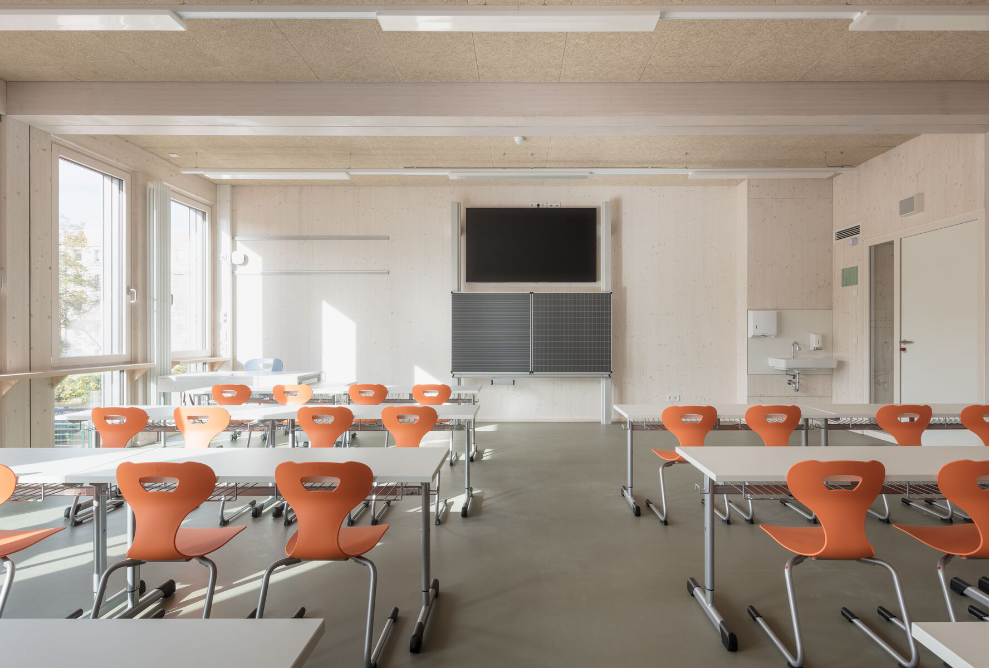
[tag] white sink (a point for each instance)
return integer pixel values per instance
(802, 363)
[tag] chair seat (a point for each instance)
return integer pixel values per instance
(200, 542)
(806, 541)
(354, 541)
(15, 540)
(670, 456)
(960, 539)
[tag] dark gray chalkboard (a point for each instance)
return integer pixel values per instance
(491, 333)
(571, 332)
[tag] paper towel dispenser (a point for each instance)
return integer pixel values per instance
(762, 323)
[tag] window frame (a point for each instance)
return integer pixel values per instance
(58, 361)
(208, 271)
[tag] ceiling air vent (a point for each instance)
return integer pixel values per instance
(852, 231)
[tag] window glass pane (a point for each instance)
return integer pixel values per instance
(76, 393)
(90, 262)
(190, 282)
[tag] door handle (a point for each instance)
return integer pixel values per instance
(905, 342)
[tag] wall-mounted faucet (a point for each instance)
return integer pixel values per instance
(794, 347)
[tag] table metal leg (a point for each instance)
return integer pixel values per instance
(468, 491)
(824, 432)
(627, 488)
(99, 533)
(430, 588)
(805, 434)
(705, 595)
(291, 433)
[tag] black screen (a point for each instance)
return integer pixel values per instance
(532, 245)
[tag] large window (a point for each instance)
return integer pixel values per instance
(91, 263)
(191, 284)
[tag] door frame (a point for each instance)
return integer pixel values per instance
(978, 217)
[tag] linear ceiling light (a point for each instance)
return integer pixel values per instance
(519, 19)
(922, 18)
(799, 173)
(83, 18)
(271, 174)
(550, 174)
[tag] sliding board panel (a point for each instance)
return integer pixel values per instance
(571, 333)
(491, 333)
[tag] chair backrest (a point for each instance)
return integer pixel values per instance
(408, 434)
(905, 433)
(765, 421)
(367, 394)
(231, 395)
(159, 514)
(292, 395)
(959, 482)
(690, 424)
(117, 426)
(974, 419)
(322, 512)
(201, 424)
(8, 481)
(841, 512)
(431, 395)
(263, 364)
(332, 422)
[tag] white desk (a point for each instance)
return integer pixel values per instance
(863, 417)
(649, 417)
(734, 465)
(958, 644)
(412, 466)
(160, 643)
(197, 380)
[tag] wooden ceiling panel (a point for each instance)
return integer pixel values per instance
(251, 50)
(519, 56)
(431, 56)
(167, 56)
(606, 56)
(341, 50)
(81, 55)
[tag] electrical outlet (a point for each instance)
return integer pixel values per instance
(673, 397)
(538, 205)
(554, 205)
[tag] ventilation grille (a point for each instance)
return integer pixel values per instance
(852, 231)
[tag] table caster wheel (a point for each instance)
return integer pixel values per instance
(277, 512)
(256, 512)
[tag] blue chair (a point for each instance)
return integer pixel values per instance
(264, 364)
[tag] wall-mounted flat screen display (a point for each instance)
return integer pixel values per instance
(532, 245)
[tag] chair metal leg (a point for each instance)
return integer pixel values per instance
(105, 578)
(792, 660)
(748, 516)
(980, 594)
(903, 625)
(795, 507)
(453, 455)
(7, 582)
(661, 514)
(371, 655)
(227, 519)
(943, 512)
(884, 517)
(211, 585)
(258, 612)
(437, 518)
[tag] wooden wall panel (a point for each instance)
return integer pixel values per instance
(950, 171)
(673, 255)
(42, 287)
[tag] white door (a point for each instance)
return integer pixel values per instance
(941, 292)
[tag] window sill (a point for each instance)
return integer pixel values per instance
(56, 376)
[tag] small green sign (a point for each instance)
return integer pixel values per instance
(849, 276)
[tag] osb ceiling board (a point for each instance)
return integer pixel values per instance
(497, 152)
(358, 50)
(434, 181)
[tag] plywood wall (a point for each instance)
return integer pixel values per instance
(950, 172)
(674, 289)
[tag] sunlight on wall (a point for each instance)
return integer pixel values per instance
(420, 375)
(339, 337)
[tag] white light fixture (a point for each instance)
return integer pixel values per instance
(88, 18)
(270, 174)
(798, 173)
(519, 19)
(923, 18)
(509, 174)
(173, 155)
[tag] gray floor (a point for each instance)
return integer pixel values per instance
(551, 570)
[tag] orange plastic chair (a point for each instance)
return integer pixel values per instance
(321, 536)
(959, 482)
(408, 434)
(974, 419)
(201, 424)
(690, 425)
(431, 395)
(774, 432)
(840, 494)
(13, 541)
(231, 395)
(905, 433)
(292, 395)
(117, 426)
(333, 422)
(158, 517)
(368, 394)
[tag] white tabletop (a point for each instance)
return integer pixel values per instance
(759, 463)
(159, 643)
(167, 413)
(51, 466)
(654, 412)
(869, 410)
(257, 465)
(195, 380)
(958, 644)
(250, 412)
(457, 389)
